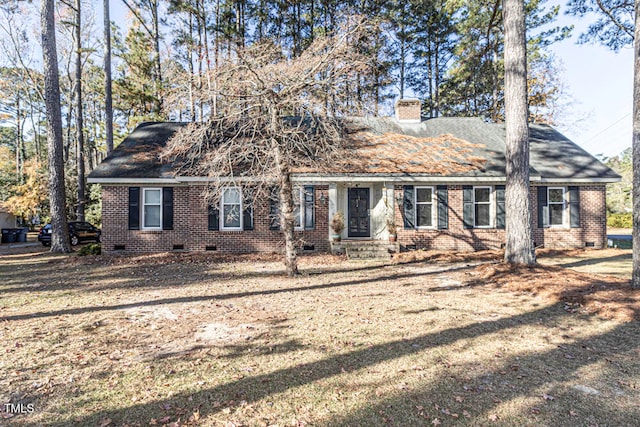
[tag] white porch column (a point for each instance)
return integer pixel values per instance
(333, 204)
(390, 202)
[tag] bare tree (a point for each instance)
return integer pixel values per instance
(60, 236)
(635, 276)
(274, 123)
(519, 246)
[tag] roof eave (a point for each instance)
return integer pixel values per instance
(311, 178)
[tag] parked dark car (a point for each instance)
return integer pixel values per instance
(79, 231)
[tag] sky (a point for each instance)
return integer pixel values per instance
(601, 85)
(599, 82)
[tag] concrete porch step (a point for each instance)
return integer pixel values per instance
(365, 249)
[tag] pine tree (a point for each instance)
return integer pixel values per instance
(519, 246)
(60, 233)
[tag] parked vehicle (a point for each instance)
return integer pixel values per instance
(79, 231)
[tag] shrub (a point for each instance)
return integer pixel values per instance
(90, 249)
(337, 222)
(620, 220)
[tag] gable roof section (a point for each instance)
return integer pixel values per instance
(138, 156)
(554, 156)
(462, 148)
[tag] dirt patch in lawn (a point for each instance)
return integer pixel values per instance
(426, 339)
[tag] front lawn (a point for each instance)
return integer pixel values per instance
(182, 339)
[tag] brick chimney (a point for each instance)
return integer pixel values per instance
(408, 110)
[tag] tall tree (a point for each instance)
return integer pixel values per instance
(635, 276)
(108, 97)
(60, 233)
(152, 29)
(474, 82)
(79, 113)
(519, 246)
(134, 88)
(614, 24)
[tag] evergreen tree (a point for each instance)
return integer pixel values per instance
(60, 233)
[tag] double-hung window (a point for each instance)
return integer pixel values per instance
(557, 206)
(425, 211)
(152, 209)
(231, 208)
(482, 206)
(303, 208)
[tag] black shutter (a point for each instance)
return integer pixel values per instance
(500, 209)
(543, 208)
(274, 209)
(574, 206)
(247, 211)
(467, 206)
(167, 208)
(309, 210)
(443, 207)
(409, 207)
(134, 208)
(213, 221)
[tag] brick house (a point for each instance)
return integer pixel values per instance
(441, 181)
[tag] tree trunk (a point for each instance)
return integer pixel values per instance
(60, 233)
(403, 54)
(494, 82)
(436, 81)
(108, 98)
(79, 115)
(203, 16)
(20, 158)
(158, 63)
(519, 246)
(635, 275)
(286, 213)
(192, 102)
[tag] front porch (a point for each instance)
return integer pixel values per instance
(368, 207)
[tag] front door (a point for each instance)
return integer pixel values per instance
(359, 212)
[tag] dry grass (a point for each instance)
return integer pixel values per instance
(431, 339)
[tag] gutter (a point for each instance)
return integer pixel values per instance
(353, 178)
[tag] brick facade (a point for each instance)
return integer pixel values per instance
(190, 226)
(591, 233)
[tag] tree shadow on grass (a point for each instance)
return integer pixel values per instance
(58, 274)
(529, 389)
(595, 261)
(214, 297)
(255, 388)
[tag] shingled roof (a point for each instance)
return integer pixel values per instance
(440, 147)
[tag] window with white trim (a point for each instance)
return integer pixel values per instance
(482, 206)
(152, 208)
(425, 211)
(556, 200)
(231, 209)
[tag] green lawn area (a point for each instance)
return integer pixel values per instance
(186, 339)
